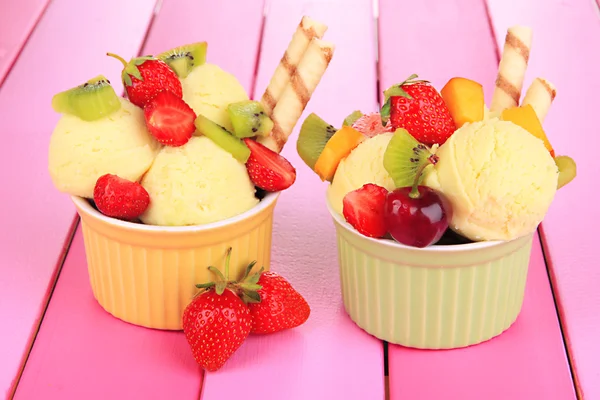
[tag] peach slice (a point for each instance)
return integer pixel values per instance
(464, 99)
(337, 148)
(526, 118)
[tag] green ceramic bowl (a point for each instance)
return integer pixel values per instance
(439, 297)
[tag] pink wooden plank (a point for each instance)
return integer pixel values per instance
(528, 361)
(566, 50)
(328, 357)
(67, 47)
(17, 20)
(121, 360)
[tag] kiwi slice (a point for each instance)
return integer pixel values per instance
(222, 138)
(93, 100)
(248, 119)
(183, 59)
(405, 158)
(314, 135)
(567, 170)
(352, 118)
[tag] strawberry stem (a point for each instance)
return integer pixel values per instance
(118, 58)
(227, 259)
(414, 193)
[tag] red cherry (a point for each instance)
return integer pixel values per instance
(417, 218)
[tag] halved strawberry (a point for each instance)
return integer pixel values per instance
(371, 125)
(169, 119)
(120, 198)
(267, 169)
(364, 210)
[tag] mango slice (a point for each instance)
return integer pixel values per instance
(464, 99)
(526, 118)
(337, 148)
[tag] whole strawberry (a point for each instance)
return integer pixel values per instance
(145, 77)
(281, 306)
(216, 322)
(119, 198)
(416, 106)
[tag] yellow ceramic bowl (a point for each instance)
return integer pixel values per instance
(438, 297)
(146, 274)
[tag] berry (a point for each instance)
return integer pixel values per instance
(267, 169)
(281, 306)
(169, 119)
(364, 209)
(416, 106)
(371, 125)
(119, 198)
(416, 218)
(146, 77)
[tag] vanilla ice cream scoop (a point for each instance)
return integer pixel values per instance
(82, 151)
(209, 90)
(363, 165)
(195, 184)
(499, 179)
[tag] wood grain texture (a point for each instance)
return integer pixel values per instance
(528, 361)
(17, 20)
(566, 51)
(65, 49)
(101, 357)
(329, 357)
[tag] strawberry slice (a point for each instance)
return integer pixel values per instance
(364, 210)
(120, 198)
(370, 125)
(169, 119)
(267, 169)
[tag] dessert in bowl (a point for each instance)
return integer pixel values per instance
(181, 174)
(436, 200)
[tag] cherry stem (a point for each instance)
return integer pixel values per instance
(414, 193)
(118, 58)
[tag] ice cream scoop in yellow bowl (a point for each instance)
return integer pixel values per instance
(146, 274)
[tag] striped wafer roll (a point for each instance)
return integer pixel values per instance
(307, 30)
(297, 93)
(540, 96)
(511, 70)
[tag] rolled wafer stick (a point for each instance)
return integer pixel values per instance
(540, 96)
(306, 31)
(297, 93)
(512, 67)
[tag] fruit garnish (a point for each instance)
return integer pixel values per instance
(567, 170)
(404, 157)
(337, 148)
(370, 125)
(350, 119)
(248, 119)
(183, 59)
(280, 306)
(223, 138)
(267, 169)
(416, 106)
(526, 118)
(416, 216)
(169, 119)
(145, 77)
(217, 321)
(314, 135)
(120, 198)
(464, 99)
(364, 210)
(93, 100)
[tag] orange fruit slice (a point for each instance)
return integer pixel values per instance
(464, 99)
(526, 118)
(337, 148)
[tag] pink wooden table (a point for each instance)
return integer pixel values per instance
(56, 341)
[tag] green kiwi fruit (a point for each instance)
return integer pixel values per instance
(405, 157)
(352, 118)
(567, 170)
(314, 135)
(248, 119)
(223, 138)
(93, 100)
(183, 59)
